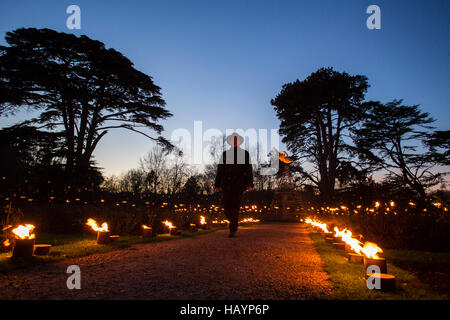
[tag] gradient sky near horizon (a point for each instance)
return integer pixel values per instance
(222, 61)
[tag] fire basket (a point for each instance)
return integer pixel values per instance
(355, 258)
(147, 232)
(329, 240)
(23, 248)
(339, 245)
(103, 237)
(171, 227)
(114, 238)
(348, 248)
(379, 262)
(203, 223)
(24, 241)
(387, 281)
(42, 249)
(103, 233)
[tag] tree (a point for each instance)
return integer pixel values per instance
(316, 114)
(29, 159)
(177, 172)
(80, 88)
(191, 190)
(439, 143)
(398, 137)
(111, 184)
(154, 167)
(133, 181)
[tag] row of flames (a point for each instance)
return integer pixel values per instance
(26, 231)
(389, 207)
(170, 225)
(368, 249)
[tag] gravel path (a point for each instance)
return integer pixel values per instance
(267, 261)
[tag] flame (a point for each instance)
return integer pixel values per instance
(346, 236)
(202, 220)
(24, 232)
(284, 158)
(145, 227)
(371, 250)
(318, 224)
(216, 221)
(249, 220)
(339, 233)
(437, 204)
(169, 224)
(93, 224)
(6, 243)
(7, 227)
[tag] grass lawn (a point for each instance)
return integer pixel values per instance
(349, 282)
(78, 245)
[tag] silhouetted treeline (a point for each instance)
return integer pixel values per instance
(79, 90)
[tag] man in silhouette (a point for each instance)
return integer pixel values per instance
(234, 176)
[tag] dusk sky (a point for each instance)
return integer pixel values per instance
(222, 61)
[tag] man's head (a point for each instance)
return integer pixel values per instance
(235, 140)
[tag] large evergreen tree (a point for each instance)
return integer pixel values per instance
(80, 88)
(315, 115)
(401, 139)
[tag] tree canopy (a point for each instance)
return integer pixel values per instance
(80, 88)
(399, 137)
(315, 115)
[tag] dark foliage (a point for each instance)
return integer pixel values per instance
(397, 137)
(81, 90)
(315, 115)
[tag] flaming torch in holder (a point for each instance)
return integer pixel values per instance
(5, 244)
(193, 227)
(147, 232)
(375, 267)
(24, 241)
(371, 258)
(103, 233)
(172, 229)
(203, 223)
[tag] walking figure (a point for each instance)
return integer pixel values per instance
(234, 176)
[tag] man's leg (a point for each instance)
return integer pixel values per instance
(231, 204)
(227, 206)
(234, 219)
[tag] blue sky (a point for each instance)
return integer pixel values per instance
(222, 61)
